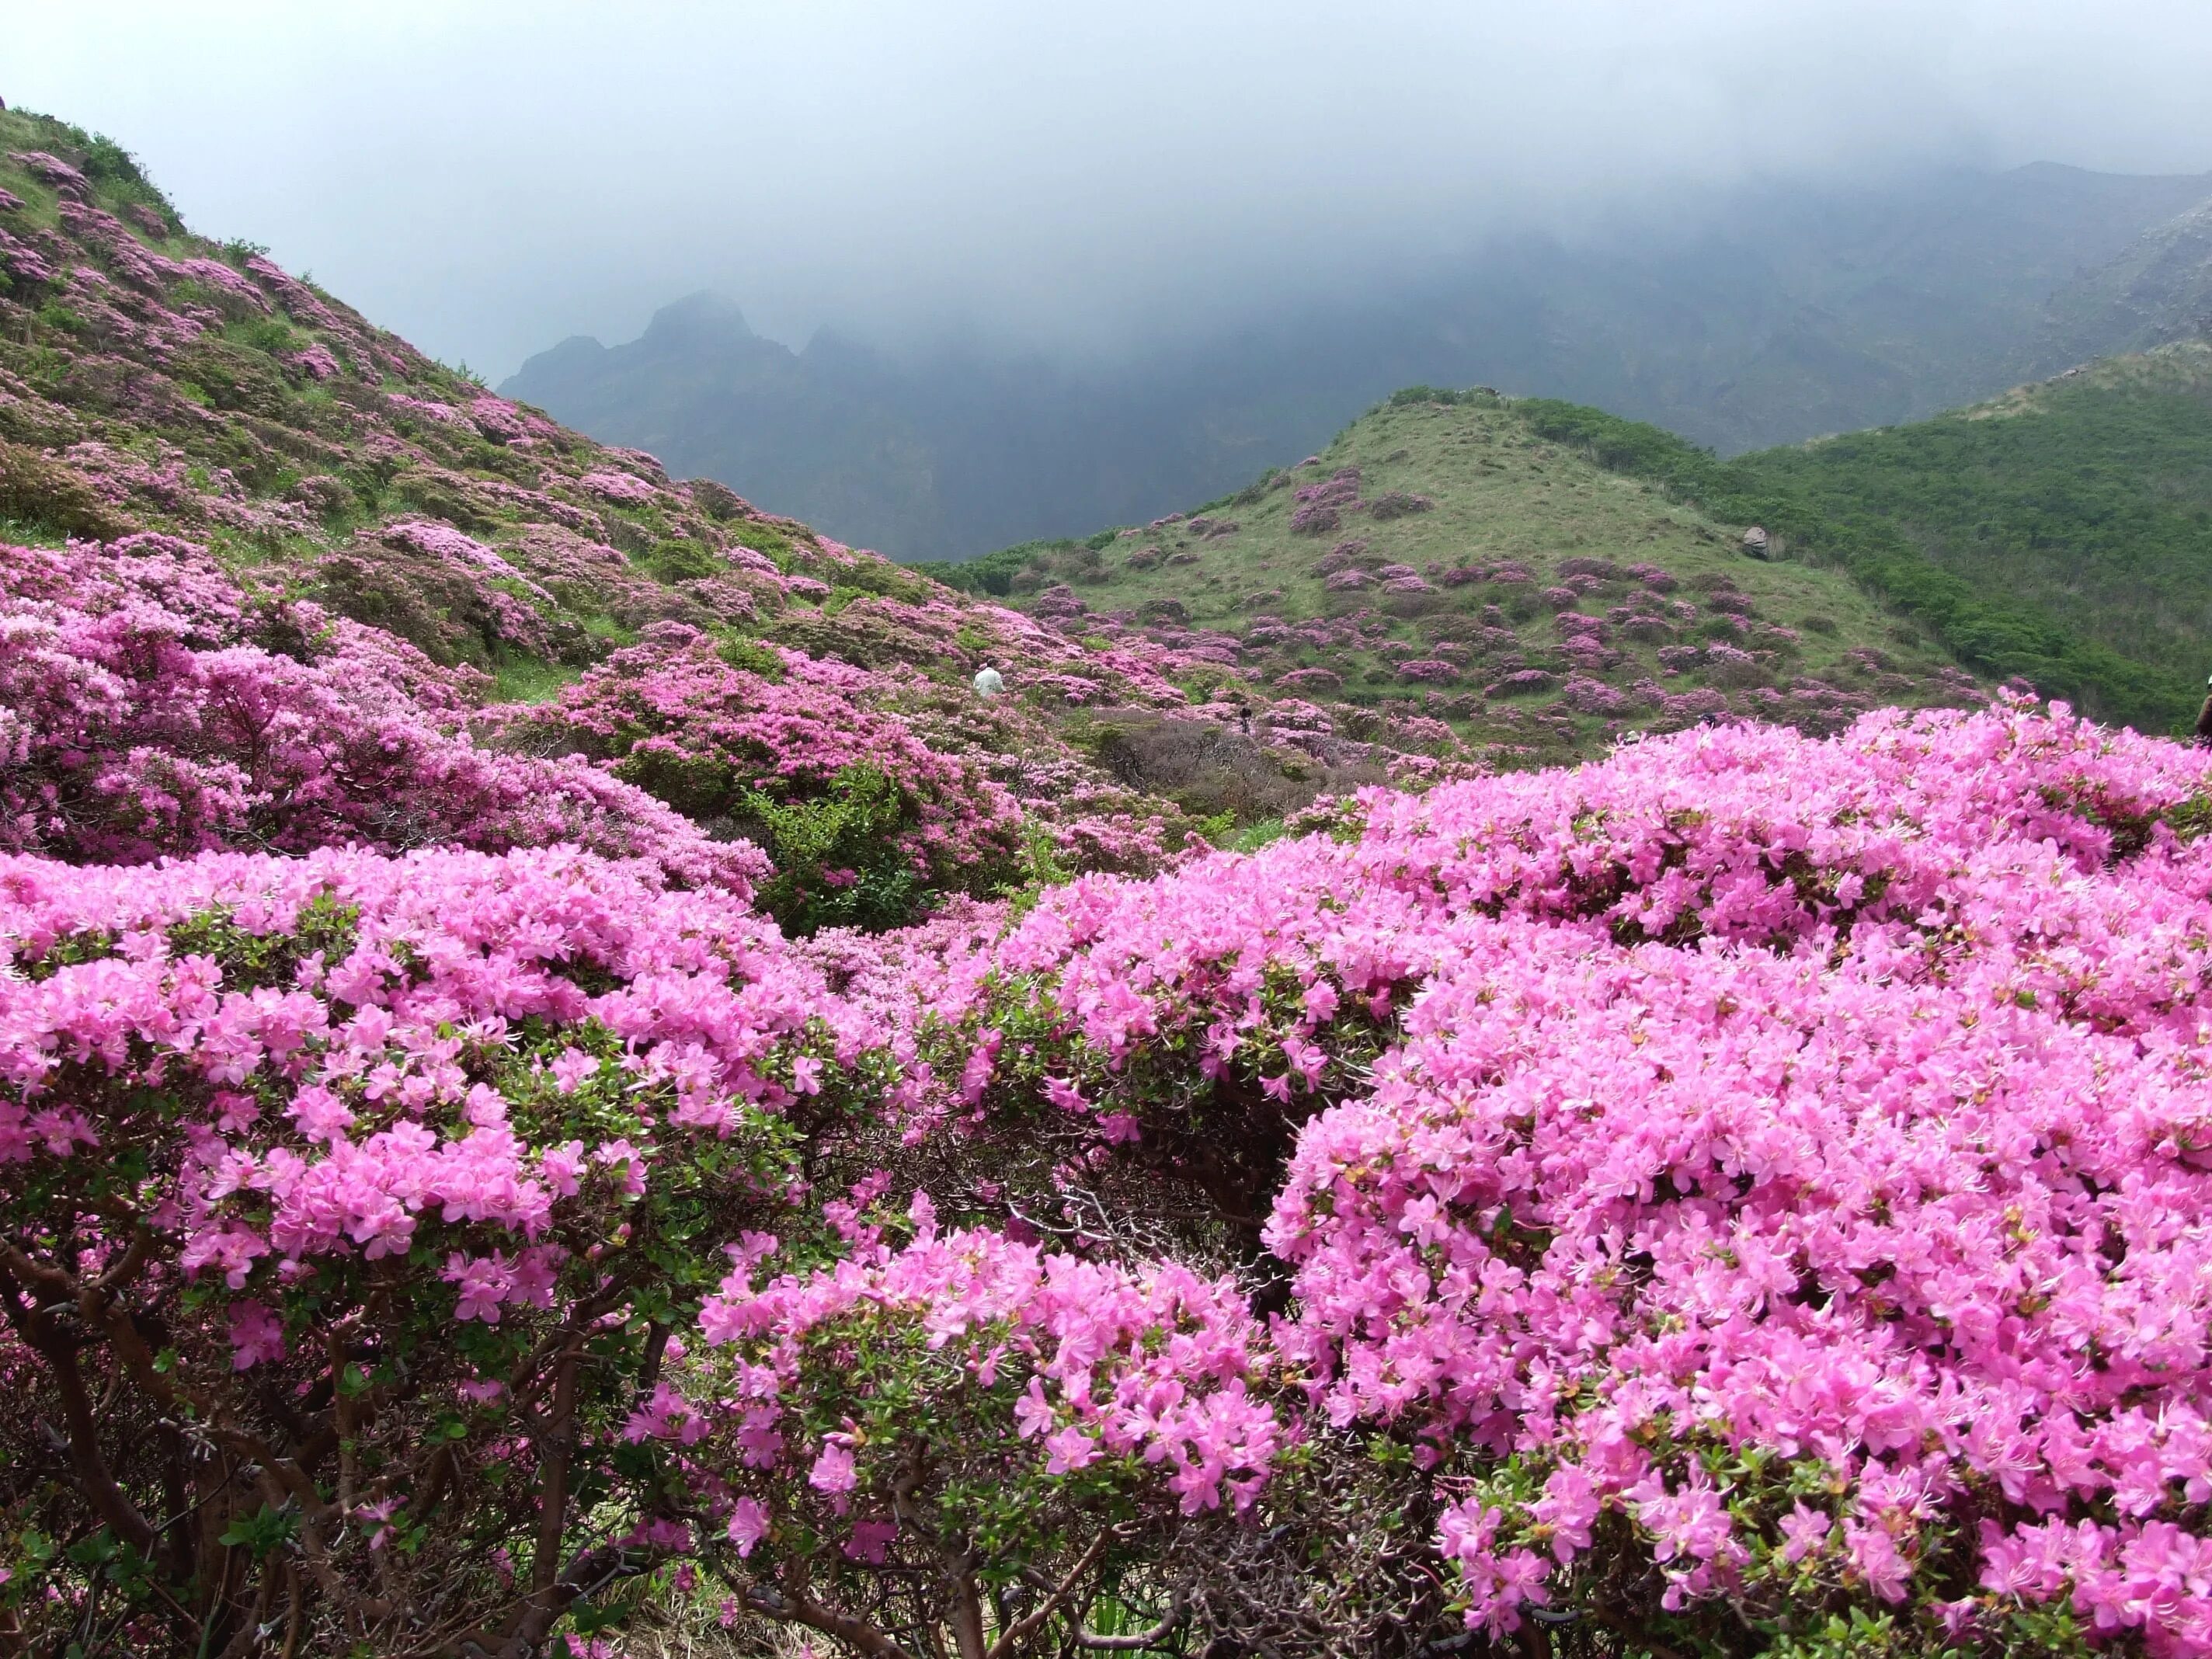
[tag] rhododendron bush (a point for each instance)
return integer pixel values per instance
(1747, 1193)
(148, 704)
(382, 1190)
(860, 817)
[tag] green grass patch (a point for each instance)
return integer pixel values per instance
(2064, 534)
(519, 678)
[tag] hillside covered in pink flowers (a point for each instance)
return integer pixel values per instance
(567, 1085)
(1460, 558)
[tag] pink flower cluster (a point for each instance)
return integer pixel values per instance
(149, 705)
(622, 488)
(343, 1106)
(705, 736)
(1782, 1160)
(1037, 1365)
(1796, 1150)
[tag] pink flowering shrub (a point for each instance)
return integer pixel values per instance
(622, 488)
(1749, 1183)
(1427, 670)
(1701, 1279)
(1765, 1361)
(1341, 489)
(1590, 696)
(427, 410)
(1523, 680)
(396, 1180)
(150, 706)
(862, 820)
(1078, 1412)
(503, 423)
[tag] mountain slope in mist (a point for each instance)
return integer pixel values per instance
(1773, 317)
(2158, 291)
(1445, 555)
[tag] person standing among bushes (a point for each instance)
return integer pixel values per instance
(2204, 719)
(988, 681)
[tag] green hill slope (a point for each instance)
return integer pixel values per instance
(1479, 568)
(2087, 499)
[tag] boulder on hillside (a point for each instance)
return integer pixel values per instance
(1399, 504)
(1342, 556)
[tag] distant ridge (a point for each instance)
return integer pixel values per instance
(1769, 316)
(2155, 292)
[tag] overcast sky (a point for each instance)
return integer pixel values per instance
(490, 178)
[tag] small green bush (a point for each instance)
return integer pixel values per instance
(681, 562)
(752, 656)
(837, 860)
(234, 377)
(58, 317)
(38, 492)
(271, 334)
(107, 163)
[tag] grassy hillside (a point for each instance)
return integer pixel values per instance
(1976, 527)
(2088, 497)
(1475, 555)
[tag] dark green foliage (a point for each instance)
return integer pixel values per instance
(439, 497)
(43, 493)
(994, 572)
(681, 562)
(869, 576)
(751, 656)
(2000, 629)
(234, 377)
(252, 960)
(268, 334)
(838, 863)
(719, 501)
(107, 162)
(2091, 503)
(55, 315)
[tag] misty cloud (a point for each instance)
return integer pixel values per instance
(490, 179)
